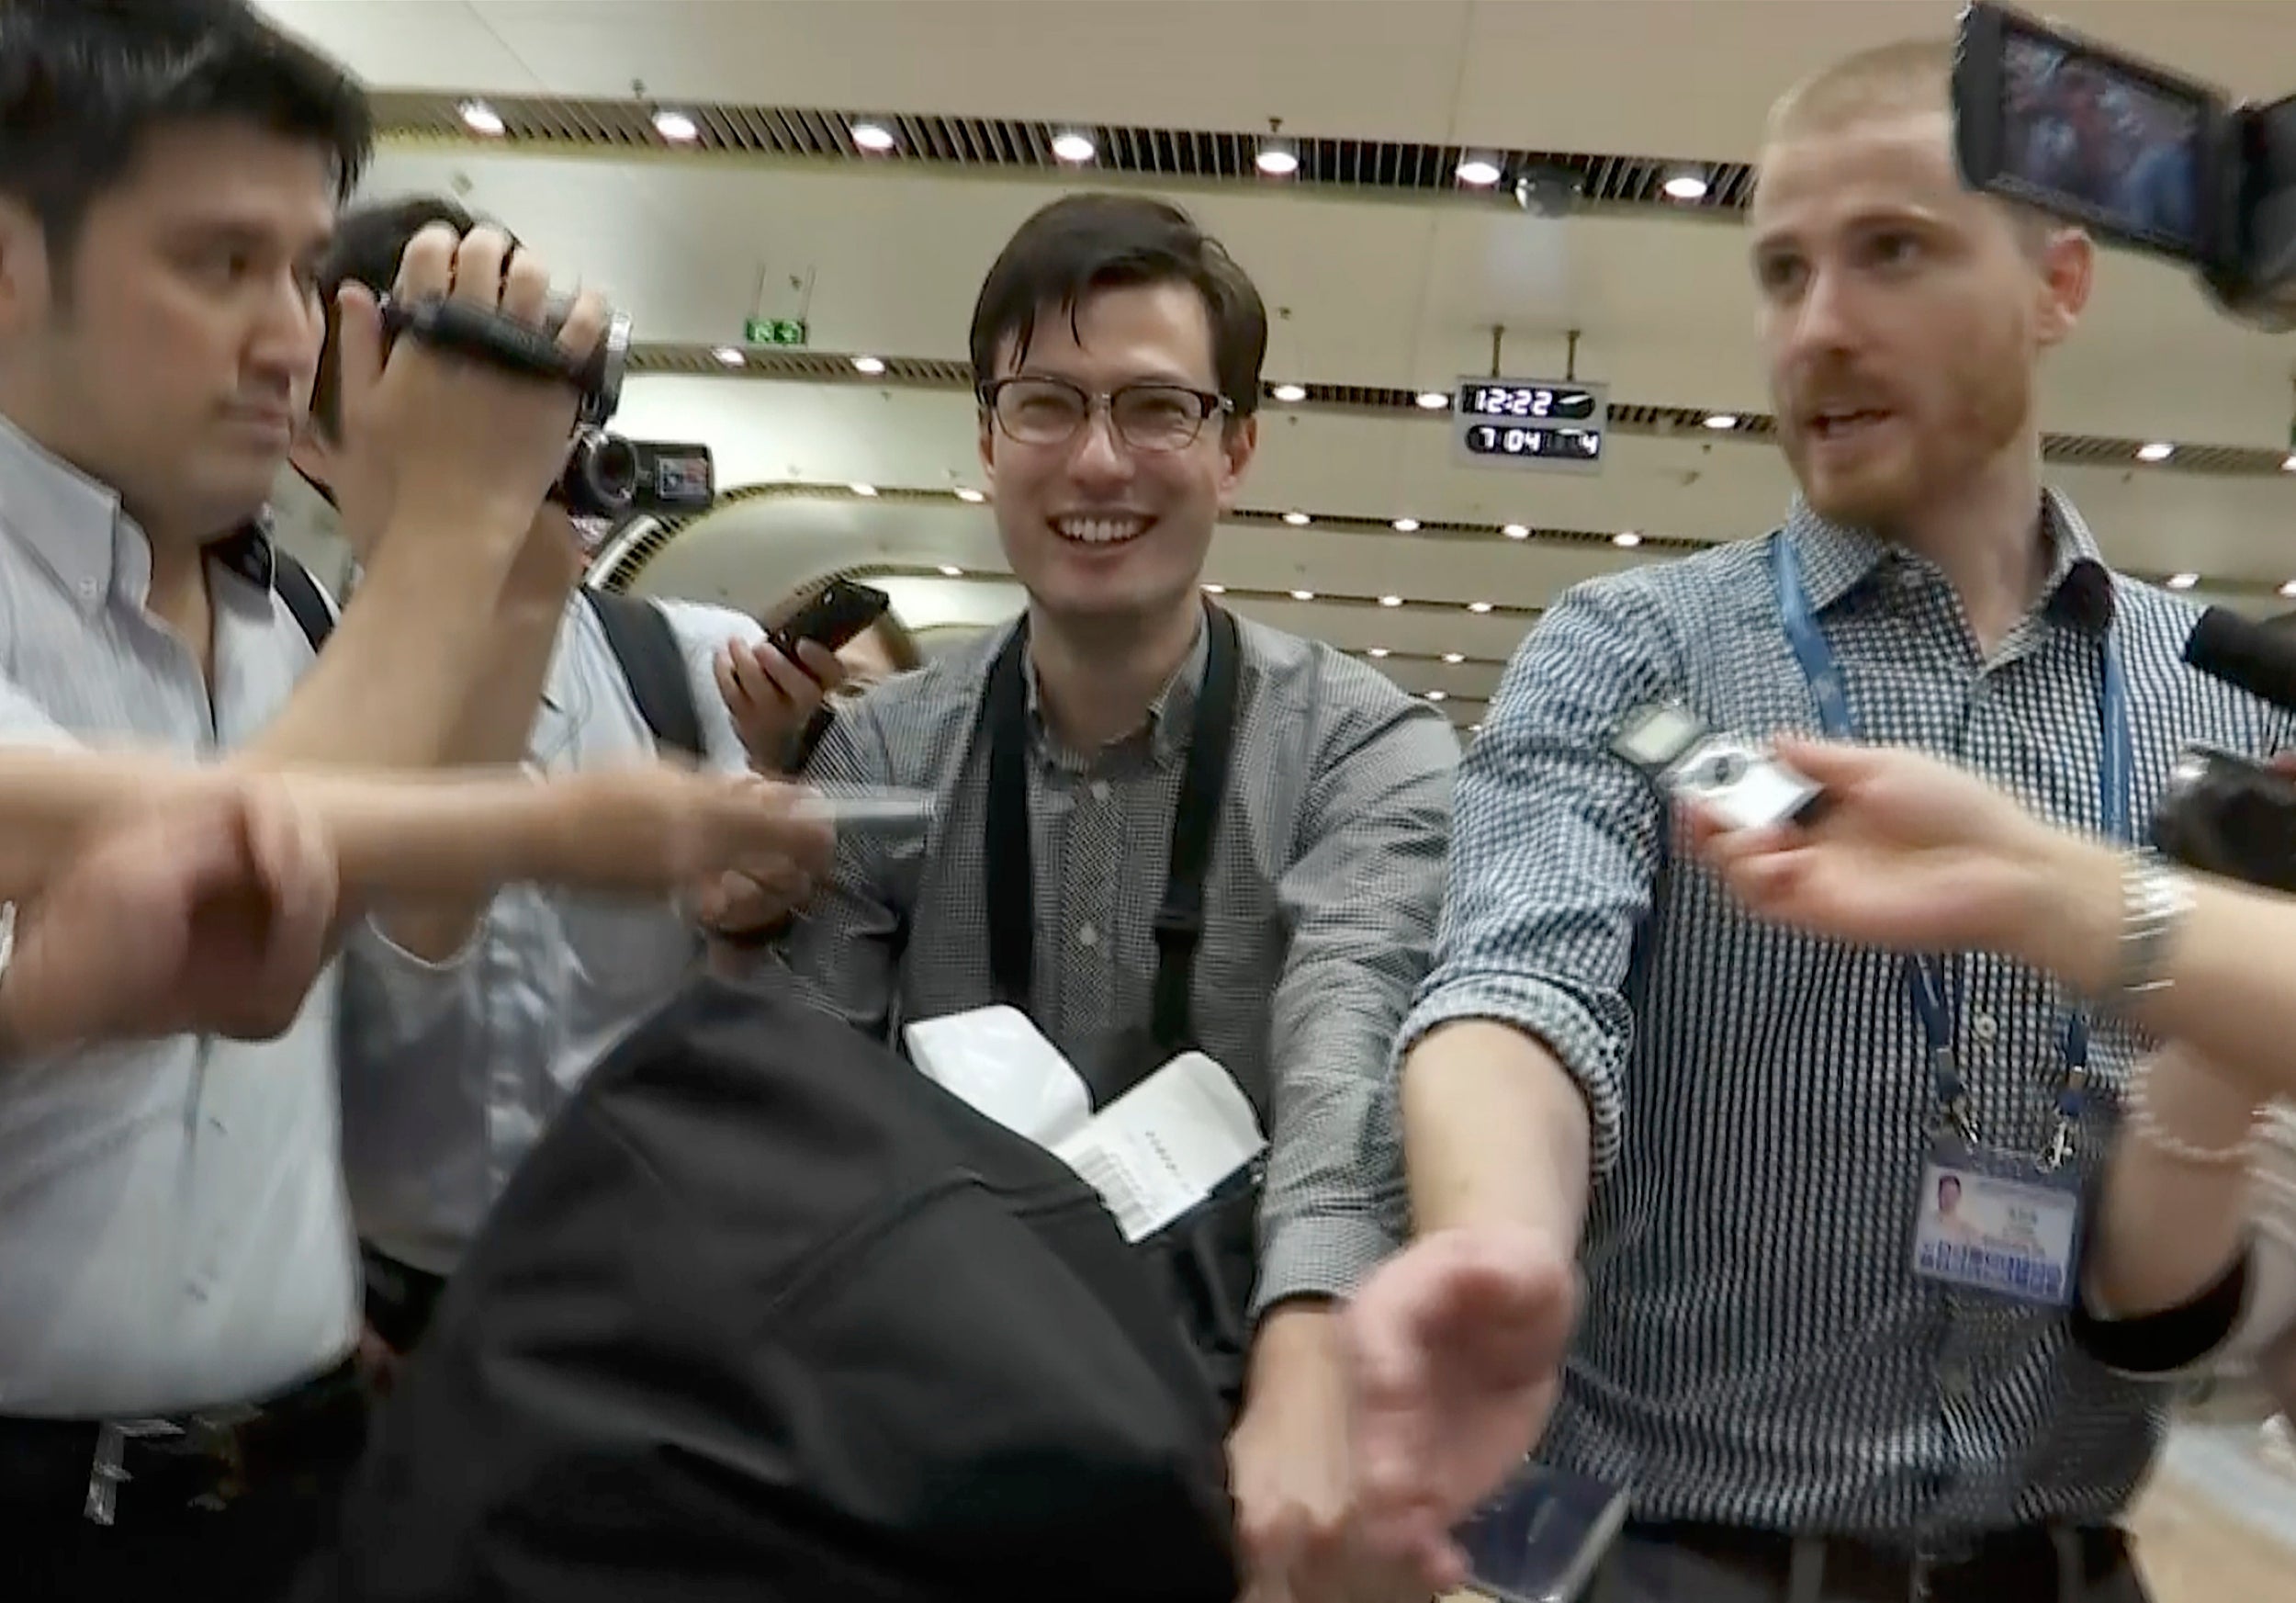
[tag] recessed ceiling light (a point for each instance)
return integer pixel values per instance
(1433, 401)
(1479, 606)
(676, 127)
(864, 491)
(1303, 595)
(1298, 520)
(2183, 581)
(1291, 392)
(1480, 171)
(1390, 601)
(1376, 651)
(873, 366)
(2158, 451)
(872, 136)
(1437, 694)
(1277, 161)
(1474, 728)
(1215, 590)
(2288, 463)
(1718, 420)
(2288, 588)
(950, 571)
(480, 117)
(971, 495)
(1685, 186)
(728, 354)
(1074, 147)
(1516, 531)
(1405, 525)
(1455, 656)
(1626, 538)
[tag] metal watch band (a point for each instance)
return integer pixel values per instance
(2154, 901)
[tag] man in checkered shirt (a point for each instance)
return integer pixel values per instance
(1118, 353)
(1668, 1163)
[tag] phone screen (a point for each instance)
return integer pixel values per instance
(1543, 1538)
(2089, 135)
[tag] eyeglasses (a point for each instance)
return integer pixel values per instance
(1147, 417)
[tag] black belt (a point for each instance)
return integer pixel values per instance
(400, 1298)
(2013, 1566)
(76, 1468)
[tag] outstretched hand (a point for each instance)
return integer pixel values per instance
(1907, 852)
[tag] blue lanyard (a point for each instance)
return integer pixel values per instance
(1926, 976)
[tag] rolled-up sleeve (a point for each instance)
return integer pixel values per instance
(846, 949)
(1554, 845)
(1361, 903)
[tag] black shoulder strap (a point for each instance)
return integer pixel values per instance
(302, 593)
(1179, 923)
(642, 641)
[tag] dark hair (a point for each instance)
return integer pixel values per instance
(1088, 242)
(84, 83)
(369, 241)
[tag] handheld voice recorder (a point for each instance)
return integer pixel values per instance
(1738, 781)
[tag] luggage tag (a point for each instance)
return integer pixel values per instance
(2005, 1223)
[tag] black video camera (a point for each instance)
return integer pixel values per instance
(2136, 154)
(607, 477)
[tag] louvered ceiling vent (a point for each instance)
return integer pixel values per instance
(793, 133)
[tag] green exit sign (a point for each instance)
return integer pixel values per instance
(774, 331)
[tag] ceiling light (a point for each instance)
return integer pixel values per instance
(1303, 595)
(1719, 421)
(1376, 651)
(1277, 161)
(1215, 590)
(1291, 392)
(1433, 401)
(480, 117)
(874, 137)
(2289, 590)
(1685, 186)
(1074, 147)
(676, 127)
(1298, 520)
(1516, 531)
(949, 570)
(1390, 601)
(971, 496)
(729, 356)
(1437, 694)
(2183, 581)
(1474, 728)
(1405, 525)
(1480, 171)
(2288, 463)
(1626, 538)
(864, 491)
(873, 366)
(1455, 656)
(2158, 451)
(1479, 606)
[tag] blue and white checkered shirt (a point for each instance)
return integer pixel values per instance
(1756, 1349)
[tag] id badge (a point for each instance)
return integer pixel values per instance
(1996, 1221)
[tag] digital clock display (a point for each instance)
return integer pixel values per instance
(1530, 424)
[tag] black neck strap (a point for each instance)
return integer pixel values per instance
(1179, 925)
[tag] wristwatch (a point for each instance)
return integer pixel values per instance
(2155, 899)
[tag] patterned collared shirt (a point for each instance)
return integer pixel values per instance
(1755, 1347)
(1319, 905)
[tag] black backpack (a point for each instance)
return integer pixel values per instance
(637, 632)
(767, 1314)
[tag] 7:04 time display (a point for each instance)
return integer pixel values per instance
(1530, 422)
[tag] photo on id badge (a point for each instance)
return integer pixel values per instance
(1995, 1223)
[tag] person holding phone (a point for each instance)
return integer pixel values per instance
(1671, 1164)
(468, 1028)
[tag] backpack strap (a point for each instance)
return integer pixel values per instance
(303, 597)
(640, 636)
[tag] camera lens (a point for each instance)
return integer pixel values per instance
(601, 478)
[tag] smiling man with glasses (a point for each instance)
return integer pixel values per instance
(1124, 731)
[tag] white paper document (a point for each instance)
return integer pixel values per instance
(997, 1060)
(1163, 1146)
